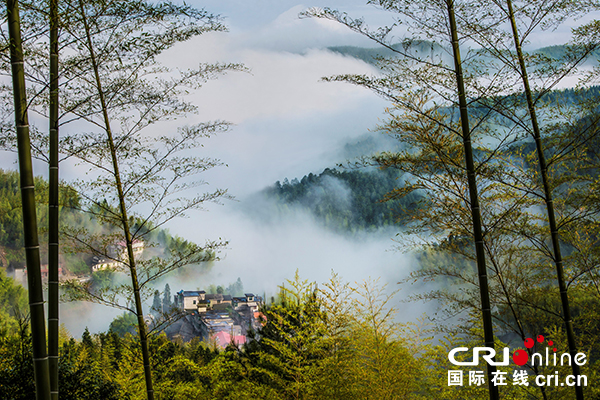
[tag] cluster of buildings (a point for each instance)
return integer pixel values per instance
(115, 259)
(221, 318)
(20, 274)
(117, 256)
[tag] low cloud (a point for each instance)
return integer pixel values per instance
(279, 84)
(266, 248)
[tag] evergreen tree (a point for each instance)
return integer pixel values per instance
(167, 300)
(86, 338)
(157, 309)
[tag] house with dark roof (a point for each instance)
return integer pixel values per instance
(209, 314)
(192, 300)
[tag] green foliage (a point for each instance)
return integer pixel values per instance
(371, 55)
(76, 259)
(336, 342)
(16, 365)
(13, 303)
(347, 200)
(123, 324)
(11, 224)
(80, 371)
(102, 279)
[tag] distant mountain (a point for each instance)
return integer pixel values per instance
(347, 200)
(424, 48)
(350, 200)
(560, 51)
(369, 55)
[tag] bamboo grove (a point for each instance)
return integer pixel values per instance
(506, 183)
(111, 74)
(484, 106)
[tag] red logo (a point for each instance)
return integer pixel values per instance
(520, 357)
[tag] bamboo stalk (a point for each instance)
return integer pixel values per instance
(564, 298)
(123, 213)
(53, 208)
(30, 234)
(488, 329)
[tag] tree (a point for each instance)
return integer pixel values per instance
(167, 301)
(32, 251)
(16, 364)
(547, 14)
(474, 198)
(53, 205)
(236, 288)
(447, 83)
(424, 112)
(291, 341)
(547, 196)
(124, 323)
(156, 304)
(332, 342)
(13, 303)
(86, 338)
(114, 83)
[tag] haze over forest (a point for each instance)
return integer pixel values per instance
(342, 163)
(288, 123)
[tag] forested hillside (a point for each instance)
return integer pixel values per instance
(346, 200)
(353, 198)
(428, 48)
(11, 216)
(488, 177)
(74, 261)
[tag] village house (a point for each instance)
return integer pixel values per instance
(219, 317)
(223, 339)
(20, 274)
(100, 264)
(117, 256)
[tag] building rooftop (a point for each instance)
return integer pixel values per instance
(191, 293)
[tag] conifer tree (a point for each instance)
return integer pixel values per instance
(167, 300)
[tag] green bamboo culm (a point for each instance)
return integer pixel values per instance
(558, 261)
(30, 235)
(53, 209)
(488, 329)
(143, 334)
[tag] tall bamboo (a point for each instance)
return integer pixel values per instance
(30, 234)
(53, 210)
(123, 212)
(488, 330)
(558, 261)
